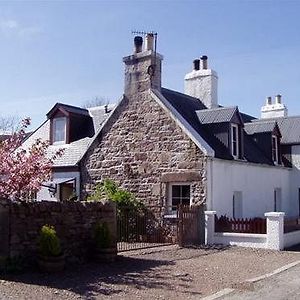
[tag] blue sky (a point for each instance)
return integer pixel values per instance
(72, 51)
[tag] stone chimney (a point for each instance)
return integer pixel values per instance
(202, 83)
(143, 67)
(274, 110)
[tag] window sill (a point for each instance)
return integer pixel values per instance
(171, 215)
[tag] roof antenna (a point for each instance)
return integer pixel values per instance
(152, 67)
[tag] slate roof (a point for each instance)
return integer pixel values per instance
(216, 115)
(74, 151)
(289, 128)
(190, 108)
(260, 126)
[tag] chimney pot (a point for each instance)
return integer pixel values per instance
(278, 99)
(204, 62)
(196, 63)
(138, 43)
(268, 100)
(149, 41)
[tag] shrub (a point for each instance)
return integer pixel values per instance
(109, 190)
(102, 235)
(49, 243)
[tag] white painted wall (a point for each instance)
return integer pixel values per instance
(295, 180)
(44, 194)
(257, 183)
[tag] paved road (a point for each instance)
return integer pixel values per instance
(283, 286)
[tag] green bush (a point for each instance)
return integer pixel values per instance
(49, 243)
(109, 190)
(102, 235)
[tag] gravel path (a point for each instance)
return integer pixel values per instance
(161, 273)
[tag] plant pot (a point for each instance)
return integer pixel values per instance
(106, 254)
(51, 264)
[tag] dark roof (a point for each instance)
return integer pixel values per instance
(191, 108)
(69, 109)
(216, 115)
(260, 127)
(289, 128)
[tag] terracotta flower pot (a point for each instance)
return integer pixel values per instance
(51, 264)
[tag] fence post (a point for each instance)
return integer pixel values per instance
(180, 226)
(275, 230)
(209, 227)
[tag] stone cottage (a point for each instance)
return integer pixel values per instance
(169, 147)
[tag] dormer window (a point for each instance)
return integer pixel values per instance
(235, 141)
(59, 130)
(275, 149)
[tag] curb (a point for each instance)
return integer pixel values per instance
(227, 291)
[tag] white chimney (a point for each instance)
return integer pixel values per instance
(202, 83)
(274, 110)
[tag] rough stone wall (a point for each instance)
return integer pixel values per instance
(73, 222)
(143, 149)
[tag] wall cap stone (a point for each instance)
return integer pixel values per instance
(274, 214)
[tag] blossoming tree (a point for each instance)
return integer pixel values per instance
(22, 171)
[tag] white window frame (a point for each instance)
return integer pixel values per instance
(237, 141)
(54, 121)
(169, 202)
(275, 159)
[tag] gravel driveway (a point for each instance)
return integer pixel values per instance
(158, 273)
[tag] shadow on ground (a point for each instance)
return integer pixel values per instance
(92, 279)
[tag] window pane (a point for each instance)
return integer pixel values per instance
(185, 201)
(180, 195)
(59, 129)
(185, 191)
(175, 190)
(234, 134)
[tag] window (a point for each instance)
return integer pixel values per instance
(275, 148)
(237, 205)
(277, 199)
(235, 140)
(59, 130)
(180, 194)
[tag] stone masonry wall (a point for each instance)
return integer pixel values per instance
(143, 149)
(21, 222)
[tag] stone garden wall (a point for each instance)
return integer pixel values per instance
(20, 224)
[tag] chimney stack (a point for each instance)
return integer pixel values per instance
(274, 110)
(202, 83)
(142, 68)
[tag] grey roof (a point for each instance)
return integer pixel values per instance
(216, 115)
(74, 151)
(260, 127)
(190, 108)
(289, 128)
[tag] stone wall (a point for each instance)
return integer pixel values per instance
(20, 224)
(143, 149)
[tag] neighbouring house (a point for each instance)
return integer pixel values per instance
(72, 129)
(169, 147)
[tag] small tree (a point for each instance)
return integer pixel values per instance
(22, 171)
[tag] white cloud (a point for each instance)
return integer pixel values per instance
(11, 27)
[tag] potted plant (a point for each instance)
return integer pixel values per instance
(51, 258)
(104, 243)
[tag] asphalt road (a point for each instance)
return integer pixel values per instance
(282, 286)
